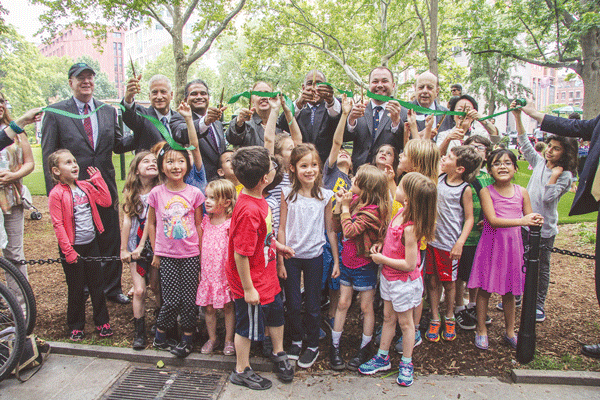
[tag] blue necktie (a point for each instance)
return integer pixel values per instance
(313, 110)
(165, 123)
(376, 112)
(213, 137)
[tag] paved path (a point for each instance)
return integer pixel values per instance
(74, 377)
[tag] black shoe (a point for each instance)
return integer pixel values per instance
(119, 299)
(282, 367)
(267, 347)
(294, 351)
(250, 379)
(473, 313)
(591, 350)
(166, 345)
(360, 358)
(336, 362)
(139, 341)
(183, 349)
(465, 320)
(308, 358)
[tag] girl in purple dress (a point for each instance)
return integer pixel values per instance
(498, 263)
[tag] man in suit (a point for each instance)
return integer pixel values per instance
(427, 88)
(376, 123)
(317, 113)
(145, 134)
(588, 192)
(207, 121)
(92, 142)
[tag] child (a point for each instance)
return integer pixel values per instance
(336, 176)
(253, 282)
(225, 170)
(213, 291)
(498, 263)
(423, 156)
(365, 211)
(401, 281)
(174, 219)
(550, 180)
(73, 208)
(466, 317)
(386, 160)
(142, 177)
(305, 213)
(454, 222)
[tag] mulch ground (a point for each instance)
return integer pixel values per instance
(572, 313)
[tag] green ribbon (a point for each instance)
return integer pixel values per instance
(71, 115)
(248, 94)
(346, 92)
(161, 128)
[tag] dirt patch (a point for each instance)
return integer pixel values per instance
(572, 312)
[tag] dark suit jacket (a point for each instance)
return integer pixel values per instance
(447, 124)
(365, 146)
(253, 134)
(210, 153)
(145, 134)
(583, 202)
(59, 132)
(320, 133)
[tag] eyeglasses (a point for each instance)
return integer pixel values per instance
(479, 147)
(498, 164)
(274, 165)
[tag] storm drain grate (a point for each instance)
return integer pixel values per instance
(149, 383)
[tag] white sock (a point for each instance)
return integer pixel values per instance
(471, 305)
(297, 343)
(365, 340)
(312, 348)
(335, 338)
(458, 309)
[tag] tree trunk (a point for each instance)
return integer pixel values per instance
(590, 73)
(181, 65)
(433, 37)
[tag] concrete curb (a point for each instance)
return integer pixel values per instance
(581, 378)
(194, 360)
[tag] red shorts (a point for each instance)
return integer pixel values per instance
(439, 261)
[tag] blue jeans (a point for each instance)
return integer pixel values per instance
(313, 272)
(543, 268)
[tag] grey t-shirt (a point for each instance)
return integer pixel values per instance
(85, 231)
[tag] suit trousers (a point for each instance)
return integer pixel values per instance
(109, 243)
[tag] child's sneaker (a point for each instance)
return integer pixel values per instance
(450, 330)
(418, 341)
(282, 367)
(104, 330)
(540, 315)
(183, 349)
(166, 345)
(294, 352)
(473, 313)
(433, 333)
(405, 374)
(77, 336)
(308, 358)
(518, 302)
(375, 365)
(250, 379)
(465, 320)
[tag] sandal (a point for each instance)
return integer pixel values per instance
(229, 349)
(250, 379)
(209, 346)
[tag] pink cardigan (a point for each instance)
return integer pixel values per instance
(60, 202)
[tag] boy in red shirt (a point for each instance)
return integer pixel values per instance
(253, 281)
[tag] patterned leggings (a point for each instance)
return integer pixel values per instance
(179, 286)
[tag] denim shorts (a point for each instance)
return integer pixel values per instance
(361, 279)
(250, 321)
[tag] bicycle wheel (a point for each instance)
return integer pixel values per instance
(12, 332)
(21, 289)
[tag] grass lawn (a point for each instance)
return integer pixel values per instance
(35, 183)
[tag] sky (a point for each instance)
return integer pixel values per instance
(24, 17)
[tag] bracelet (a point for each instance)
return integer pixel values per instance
(13, 125)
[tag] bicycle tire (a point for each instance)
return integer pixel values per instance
(12, 328)
(30, 313)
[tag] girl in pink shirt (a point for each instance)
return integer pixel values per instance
(401, 282)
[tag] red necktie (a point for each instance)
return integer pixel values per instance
(87, 125)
